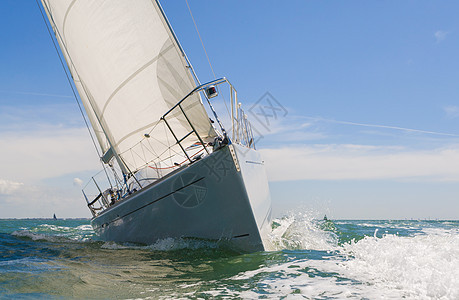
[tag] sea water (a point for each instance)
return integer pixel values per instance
(309, 258)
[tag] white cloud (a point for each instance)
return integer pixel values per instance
(77, 182)
(337, 162)
(36, 155)
(26, 118)
(440, 35)
(35, 165)
(38, 201)
(41, 152)
(452, 111)
(7, 187)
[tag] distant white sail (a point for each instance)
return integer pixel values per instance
(129, 71)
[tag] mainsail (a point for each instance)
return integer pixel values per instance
(129, 70)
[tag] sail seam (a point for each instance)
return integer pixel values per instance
(132, 77)
(149, 77)
(75, 75)
(65, 17)
(47, 8)
(184, 59)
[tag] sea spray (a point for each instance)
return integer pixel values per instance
(301, 231)
(424, 265)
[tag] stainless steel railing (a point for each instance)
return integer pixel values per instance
(240, 133)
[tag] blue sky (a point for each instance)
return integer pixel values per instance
(370, 89)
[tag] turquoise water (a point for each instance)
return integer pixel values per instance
(310, 258)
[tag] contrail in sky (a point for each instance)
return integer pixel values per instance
(384, 126)
(37, 94)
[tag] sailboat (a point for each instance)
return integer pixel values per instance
(170, 167)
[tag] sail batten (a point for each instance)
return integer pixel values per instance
(129, 70)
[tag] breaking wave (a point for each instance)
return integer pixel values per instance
(302, 231)
(56, 233)
(417, 262)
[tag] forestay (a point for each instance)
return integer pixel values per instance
(129, 71)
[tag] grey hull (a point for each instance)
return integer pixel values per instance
(222, 197)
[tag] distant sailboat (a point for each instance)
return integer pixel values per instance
(170, 171)
(54, 217)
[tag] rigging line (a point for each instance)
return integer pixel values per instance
(73, 90)
(202, 43)
(205, 51)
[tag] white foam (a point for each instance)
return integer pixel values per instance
(54, 228)
(84, 228)
(295, 280)
(50, 238)
(34, 236)
(424, 266)
(421, 266)
(440, 231)
(167, 244)
(300, 231)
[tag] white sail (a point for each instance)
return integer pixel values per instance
(129, 71)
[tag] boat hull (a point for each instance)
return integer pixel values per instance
(222, 197)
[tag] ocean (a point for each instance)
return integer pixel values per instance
(310, 259)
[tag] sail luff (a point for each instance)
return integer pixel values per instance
(103, 139)
(97, 128)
